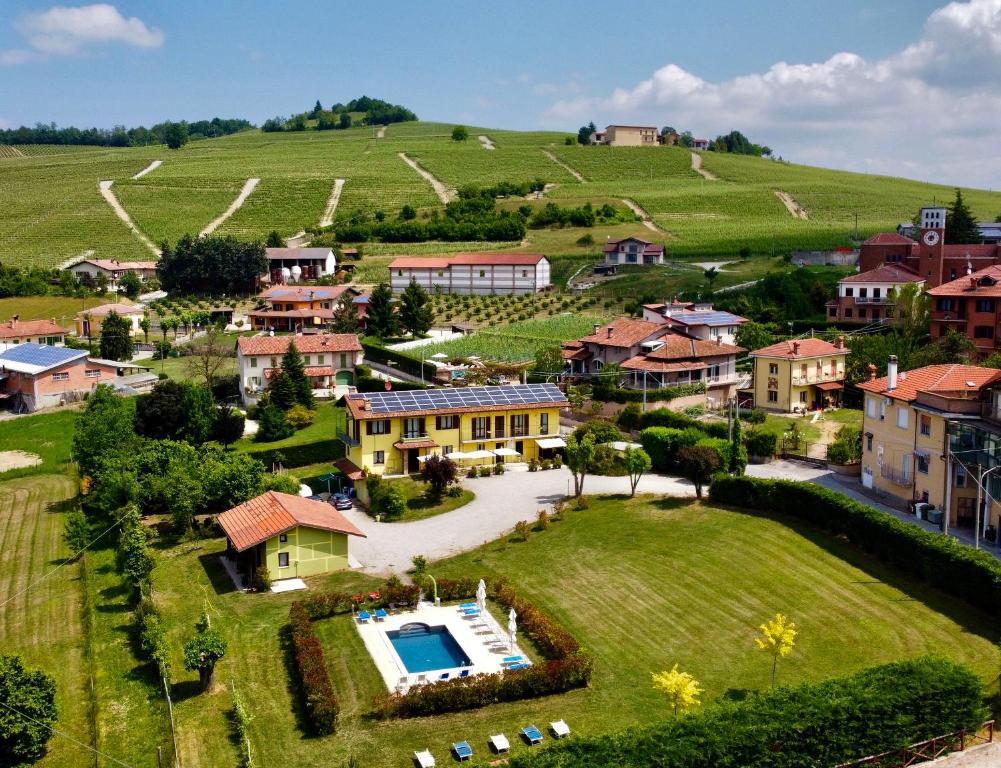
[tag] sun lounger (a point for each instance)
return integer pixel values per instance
(380, 615)
(471, 612)
(560, 729)
(443, 676)
(512, 659)
(464, 673)
(520, 665)
(424, 759)
(465, 606)
(500, 743)
(363, 617)
(462, 750)
(532, 734)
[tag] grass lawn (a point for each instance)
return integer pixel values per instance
(62, 308)
(851, 416)
(180, 368)
(644, 584)
(328, 424)
(46, 434)
(420, 507)
(779, 425)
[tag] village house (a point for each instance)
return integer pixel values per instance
(330, 360)
(294, 265)
(970, 305)
(392, 433)
(614, 342)
(700, 144)
(88, 270)
(698, 321)
(89, 321)
(799, 374)
(633, 250)
(298, 308)
(630, 136)
(16, 331)
(480, 274)
(929, 435)
(675, 359)
(870, 296)
(291, 537)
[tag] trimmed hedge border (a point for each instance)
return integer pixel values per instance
(405, 363)
(963, 572)
(320, 702)
(318, 452)
(623, 395)
(816, 725)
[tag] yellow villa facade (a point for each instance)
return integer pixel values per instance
(799, 375)
(389, 433)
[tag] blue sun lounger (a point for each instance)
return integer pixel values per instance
(380, 614)
(363, 617)
(512, 659)
(465, 606)
(519, 665)
(532, 734)
(462, 750)
(471, 612)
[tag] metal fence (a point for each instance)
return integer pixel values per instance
(924, 751)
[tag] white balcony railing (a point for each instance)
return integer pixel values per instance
(813, 378)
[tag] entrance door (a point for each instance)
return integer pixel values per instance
(965, 511)
(413, 466)
(519, 446)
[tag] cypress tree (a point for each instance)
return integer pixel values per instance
(382, 320)
(960, 224)
(295, 371)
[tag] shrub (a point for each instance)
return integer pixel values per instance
(966, 573)
(273, 425)
(760, 443)
(392, 502)
(662, 444)
(847, 446)
(319, 702)
(153, 636)
(521, 530)
(755, 416)
(299, 416)
(262, 579)
(542, 521)
(454, 491)
(603, 431)
(557, 461)
(546, 464)
(499, 468)
(472, 472)
(533, 465)
(815, 724)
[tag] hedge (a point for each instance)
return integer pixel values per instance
(966, 573)
(318, 452)
(622, 395)
(320, 703)
(663, 443)
(379, 354)
(816, 725)
(760, 443)
(665, 417)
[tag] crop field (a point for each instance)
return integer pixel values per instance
(627, 163)
(469, 163)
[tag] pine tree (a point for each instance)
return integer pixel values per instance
(382, 320)
(345, 319)
(960, 225)
(282, 391)
(116, 338)
(295, 371)
(415, 312)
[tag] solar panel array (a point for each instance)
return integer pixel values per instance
(39, 354)
(463, 397)
(708, 318)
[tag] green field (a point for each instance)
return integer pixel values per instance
(195, 184)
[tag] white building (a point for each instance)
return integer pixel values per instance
(113, 270)
(482, 274)
(16, 331)
(870, 296)
(633, 250)
(293, 265)
(329, 359)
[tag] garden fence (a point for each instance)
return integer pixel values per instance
(925, 751)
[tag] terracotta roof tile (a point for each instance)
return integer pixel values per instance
(807, 348)
(626, 332)
(311, 344)
(940, 379)
(272, 513)
(16, 329)
(885, 273)
(889, 238)
(107, 309)
(306, 292)
(677, 347)
(988, 283)
(647, 363)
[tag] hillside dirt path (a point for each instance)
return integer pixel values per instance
(487, 144)
(443, 192)
(249, 186)
(109, 196)
(151, 167)
(335, 195)
(697, 167)
(794, 208)
(638, 210)
(576, 174)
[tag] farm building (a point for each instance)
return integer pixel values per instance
(290, 536)
(630, 136)
(89, 321)
(633, 250)
(88, 270)
(293, 265)
(329, 358)
(482, 274)
(297, 307)
(16, 331)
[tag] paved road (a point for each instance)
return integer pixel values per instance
(501, 501)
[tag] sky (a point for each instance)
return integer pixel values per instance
(900, 87)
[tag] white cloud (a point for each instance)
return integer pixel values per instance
(64, 31)
(929, 110)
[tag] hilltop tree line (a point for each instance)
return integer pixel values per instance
(120, 136)
(338, 116)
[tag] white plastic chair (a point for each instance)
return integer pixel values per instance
(560, 729)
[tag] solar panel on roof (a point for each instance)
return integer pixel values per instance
(39, 354)
(526, 394)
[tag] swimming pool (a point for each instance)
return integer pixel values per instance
(423, 648)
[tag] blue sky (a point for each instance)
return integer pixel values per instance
(864, 74)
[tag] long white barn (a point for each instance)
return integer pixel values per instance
(481, 274)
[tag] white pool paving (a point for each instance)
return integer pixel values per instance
(481, 638)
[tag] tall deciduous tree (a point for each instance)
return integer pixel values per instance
(637, 462)
(104, 426)
(175, 135)
(578, 456)
(208, 354)
(549, 359)
(382, 320)
(415, 310)
(913, 310)
(960, 224)
(752, 335)
(116, 337)
(76, 532)
(32, 693)
(130, 285)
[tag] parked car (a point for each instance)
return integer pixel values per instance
(341, 501)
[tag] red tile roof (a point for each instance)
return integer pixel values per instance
(112, 265)
(807, 348)
(306, 292)
(312, 371)
(404, 445)
(942, 379)
(351, 470)
(889, 238)
(14, 329)
(885, 273)
(983, 282)
(971, 250)
(272, 513)
(323, 314)
(677, 347)
(626, 332)
(107, 309)
(418, 262)
(311, 344)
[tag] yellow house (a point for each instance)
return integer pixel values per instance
(799, 375)
(89, 321)
(289, 535)
(922, 439)
(388, 433)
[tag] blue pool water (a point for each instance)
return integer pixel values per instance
(423, 648)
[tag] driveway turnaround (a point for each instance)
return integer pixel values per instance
(501, 501)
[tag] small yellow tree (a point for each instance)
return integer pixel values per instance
(682, 690)
(778, 637)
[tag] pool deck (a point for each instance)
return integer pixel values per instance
(474, 636)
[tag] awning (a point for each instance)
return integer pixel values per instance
(830, 386)
(408, 444)
(550, 442)
(480, 455)
(350, 469)
(506, 452)
(924, 454)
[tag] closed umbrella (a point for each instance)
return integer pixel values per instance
(481, 596)
(512, 628)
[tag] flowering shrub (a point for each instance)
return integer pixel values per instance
(318, 694)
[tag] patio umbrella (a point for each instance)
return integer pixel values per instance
(439, 356)
(512, 628)
(481, 596)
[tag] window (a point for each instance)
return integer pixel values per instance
(945, 305)
(868, 443)
(773, 368)
(544, 423)
(379, 457)
(849, 312)
(274, 362)
(832, 311)
(902, 416)
(319, 359)
(377, 427)
(834, 367)
(802, 396)
(441, 273)
(399, 273)
(960, 476)
(283, 537)
(60, 376)
(483, 273)
(862, 312)
(305, 360)
(481, 427)
(983, 332)
(519, 425)
(922, 463)
(446, 450)
(524, 273)
(413, 427)
(344, 360)
(93, 373)
(863, 292)
(446, 422)
(849, 291)
(924, 424)
(870, 407)
(875, 293)
(985, 305)
(283, 559)
(773, 396)
(253, 362)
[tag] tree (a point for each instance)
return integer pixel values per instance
(710, 275)
(960, 225)
(203, 651)
(272, 425)
(211, 265)
(345, 121)
(274, 240)
(345, 317)
(228, 425)
(32, 693)
(408, 213)
(208, 354)
(282, 392)
(105, 426)
(145, 324)
(295, 370)
(752, 335)
(778, 637)
(116, 337)
(913, 310)
(135, 561)
(317, 109)
(682, 690)
(382, 319)
(698, 463)
(198, 413)
(738, 454)
(954, 347)
(159, 415)
(578, 456)
(630, 418)
(415, 311)
(76, 532)
(637, 462)
(175, 135)
(392, 502)
(439, 472)
(549, 360)
(460, 133)
(585, 133)
(130, 285)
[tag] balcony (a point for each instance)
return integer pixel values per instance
(349, 441)
(873, 300)
(813, 378)
(414, 437)
(896, 476)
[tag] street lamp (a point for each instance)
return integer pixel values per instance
(981, 489)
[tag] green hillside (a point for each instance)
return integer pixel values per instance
(51, 209)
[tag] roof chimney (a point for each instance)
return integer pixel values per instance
(969, 267)
(366, 404)
(891, 374)
(840, 342)
(872, 371)
(795, 348)
(610, 330)
(596, 327)
(973, 282)
(13, 320)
